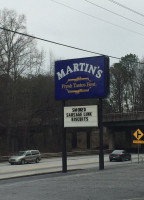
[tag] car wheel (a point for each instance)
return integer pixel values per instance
(110, 160)
(23, 162)
(37, 160)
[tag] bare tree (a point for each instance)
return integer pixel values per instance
(18, 57)
(126, 84)
(130, 64)
(18, 53)
(140, 78)
(117, 83)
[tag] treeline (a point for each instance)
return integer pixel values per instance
(27, 106)
(26, 96)
(127, 85)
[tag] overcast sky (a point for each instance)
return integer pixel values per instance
(97, 30)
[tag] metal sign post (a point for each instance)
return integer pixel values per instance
(64, 153)
(138, 153)
(101, 154)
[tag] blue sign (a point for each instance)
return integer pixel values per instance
(82, 78)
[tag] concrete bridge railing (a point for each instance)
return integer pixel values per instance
(139, 115)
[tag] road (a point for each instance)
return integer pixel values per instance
(55, 165)
(119, 181)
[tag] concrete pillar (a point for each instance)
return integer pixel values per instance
(111, 137)
(94, 139)
(74, 140)
(82, 140)
(88, 139)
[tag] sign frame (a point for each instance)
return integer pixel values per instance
(81, 116)
(82, 78)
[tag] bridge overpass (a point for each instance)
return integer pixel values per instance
(120, 128)
(130, 119)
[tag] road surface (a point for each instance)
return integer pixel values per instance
(117, 182)
(55, 165)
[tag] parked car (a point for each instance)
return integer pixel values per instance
(119, 155)
(25, 157)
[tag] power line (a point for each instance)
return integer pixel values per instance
(57, 43)
(84, 13)
(123, 6)
(114, 12)
(64, 45)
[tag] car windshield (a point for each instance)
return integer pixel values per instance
(117, 151)
(20, 153)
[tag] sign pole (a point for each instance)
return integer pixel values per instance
(64, 154)
(138, 153)
(138, 135)
(101, 154)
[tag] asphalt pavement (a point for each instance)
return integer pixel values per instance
(54, 165)
(116, 182)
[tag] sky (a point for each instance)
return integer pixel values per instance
(85, 25)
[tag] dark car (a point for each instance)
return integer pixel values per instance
(119, 155)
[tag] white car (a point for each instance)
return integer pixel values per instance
(25, 157)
